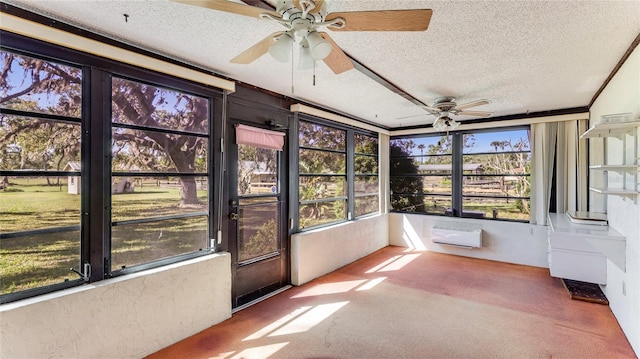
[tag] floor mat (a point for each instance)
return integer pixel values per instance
(587, 292)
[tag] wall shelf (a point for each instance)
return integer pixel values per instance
(609, 129)
(615, 191)
(614, 167)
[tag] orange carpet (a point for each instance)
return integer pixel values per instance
(398, 303)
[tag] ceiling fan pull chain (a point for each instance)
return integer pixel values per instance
(292, 88)
(314, 73)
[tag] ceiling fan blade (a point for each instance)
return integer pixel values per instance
(254, 52)
(384, 20)
(431, 110)
(337, 60)
(474, 113)
(231, 7)
(473, 104)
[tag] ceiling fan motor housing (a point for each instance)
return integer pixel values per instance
(289, 11)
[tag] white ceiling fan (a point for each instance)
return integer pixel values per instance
(444, 106)
(304, 18)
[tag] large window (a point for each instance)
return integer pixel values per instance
(420, 174)
(322, 174)
(159, 185)
(101, 172)
(481, 174)
(337, 174)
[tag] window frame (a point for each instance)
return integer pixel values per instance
(349, 175)
(95, 218)
(458, 175)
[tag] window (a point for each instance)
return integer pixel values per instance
(337, 174)
(40, 142)
(322, 177)
(104, 172)
(495, 174)
(366, 184)
(159, 185)
(420, 174)
(480, 174)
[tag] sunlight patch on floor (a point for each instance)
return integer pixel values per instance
(277, 324)
(370, 284)
(330, 288)
(309, 319)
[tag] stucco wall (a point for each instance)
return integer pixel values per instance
(126, 317)
(315, 253)
(622, 95)
(518, 243)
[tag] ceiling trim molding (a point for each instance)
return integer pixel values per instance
(298, 107)
(624, 58)
(39, 31)
(496, 124)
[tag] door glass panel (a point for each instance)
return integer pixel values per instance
(257, 170)
(258, 230)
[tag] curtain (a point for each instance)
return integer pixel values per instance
(257, 137)
(559, 143)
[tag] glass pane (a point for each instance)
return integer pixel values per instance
(134, 244)
(434, 204)
(146, 105)
(365, 144)
(419, 146)
(257, 200)
(499, 186)
(365, 164)
(436, 184)
(40, 86)
(258, 230)
(405, 184)
(366, 185)
(499, 163)
(30, 203)
(36, 260)
(149, 197)
(318, 187)
(500, 208)
(150, 151)
(257, 170)
(28, 143)
(444, 167)
(498, 141)
(317, 162)
(322, 137)
(366, 205)
(314, 214)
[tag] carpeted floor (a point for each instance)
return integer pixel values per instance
(401, 304)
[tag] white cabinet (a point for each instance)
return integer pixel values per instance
(580, 251)
(618, 178)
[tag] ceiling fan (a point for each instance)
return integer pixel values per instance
(304, 18)
(446, 105)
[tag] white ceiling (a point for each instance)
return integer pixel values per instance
(524, 56)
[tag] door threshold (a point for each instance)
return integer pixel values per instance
(267, 296)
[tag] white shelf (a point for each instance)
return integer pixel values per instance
(616, 191)
(614, 167)
(609, 129)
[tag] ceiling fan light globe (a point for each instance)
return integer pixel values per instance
(281, 49)
(305, 62)
(439, 124)
(319, 47)
(453, 124)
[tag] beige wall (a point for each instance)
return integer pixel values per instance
(622, 95)
(510, 242)
(315, 253)
(126, 317)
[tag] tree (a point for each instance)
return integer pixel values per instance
(403, 186)
(515, 161)
(43, 86)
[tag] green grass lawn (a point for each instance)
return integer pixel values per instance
(42, 259)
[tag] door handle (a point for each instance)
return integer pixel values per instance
(234, 216)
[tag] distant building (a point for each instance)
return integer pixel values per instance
(73, 182)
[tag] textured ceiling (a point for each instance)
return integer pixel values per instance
(524, 56)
